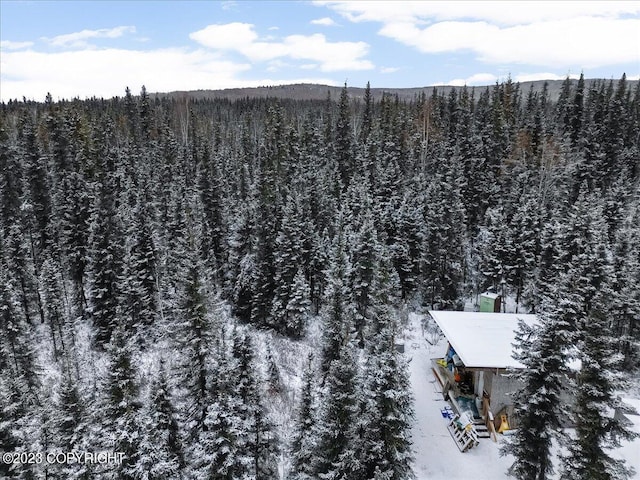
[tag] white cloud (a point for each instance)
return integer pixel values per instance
(106, 73)
(79, 39)
(558, 34)
(481, 79)
(230, 36)
(389, 69)
(241, 38)
(500, 12)
(229, 5)
(332, 56)
(9, 45)
(475, 79)
(532, 77)
(277, 65)
(324, 21)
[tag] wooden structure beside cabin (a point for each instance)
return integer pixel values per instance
(475, 370)
(490, 302)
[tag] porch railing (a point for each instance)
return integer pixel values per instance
(488, 418)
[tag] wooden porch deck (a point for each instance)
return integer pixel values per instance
(484, 426)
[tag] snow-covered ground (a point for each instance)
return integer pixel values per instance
(630, 451)
(436, 454)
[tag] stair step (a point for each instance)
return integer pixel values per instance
(481, 428)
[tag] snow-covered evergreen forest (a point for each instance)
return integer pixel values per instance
(213, 288)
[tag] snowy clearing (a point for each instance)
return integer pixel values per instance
(436, 455)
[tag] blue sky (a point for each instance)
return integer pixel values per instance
(85, 48)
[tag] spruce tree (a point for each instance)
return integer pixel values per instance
(15, 408)
(274, 377)
(383, 441)
(598, 381)
(625, 313)
(395, 410)
(239, 278)
(10, 183)
(443, 240)
(273, 167)
(539, 409)
(334, 455)
(21, 267)
(74, 232)
(195, 337)
(17, 354)
(367, 115)
(214, 241)
(106, 260)
(599, 377)
(364, 262)
(37, 185)
(579, 310)
(70, 427)
(122, 408)
(344, 156)
(337, 315)
(303, 441)
(161, 455)
(139, 284)
(288, 309)
(258, 444)
(216, 455)
(405, 249)
(525, 230)
(54, 308)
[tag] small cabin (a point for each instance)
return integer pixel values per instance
(490, 302)
(474, 371)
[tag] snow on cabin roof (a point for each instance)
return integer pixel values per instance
(482, 340)
(489, 295)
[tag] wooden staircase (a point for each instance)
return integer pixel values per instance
(481, 428)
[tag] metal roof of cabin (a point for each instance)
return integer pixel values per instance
(482, 340)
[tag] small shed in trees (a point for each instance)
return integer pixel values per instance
(490, 302)
(474, 371)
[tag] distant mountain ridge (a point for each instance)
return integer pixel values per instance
(303, 91)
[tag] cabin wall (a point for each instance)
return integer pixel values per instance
(502, 389)
(488, 381)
